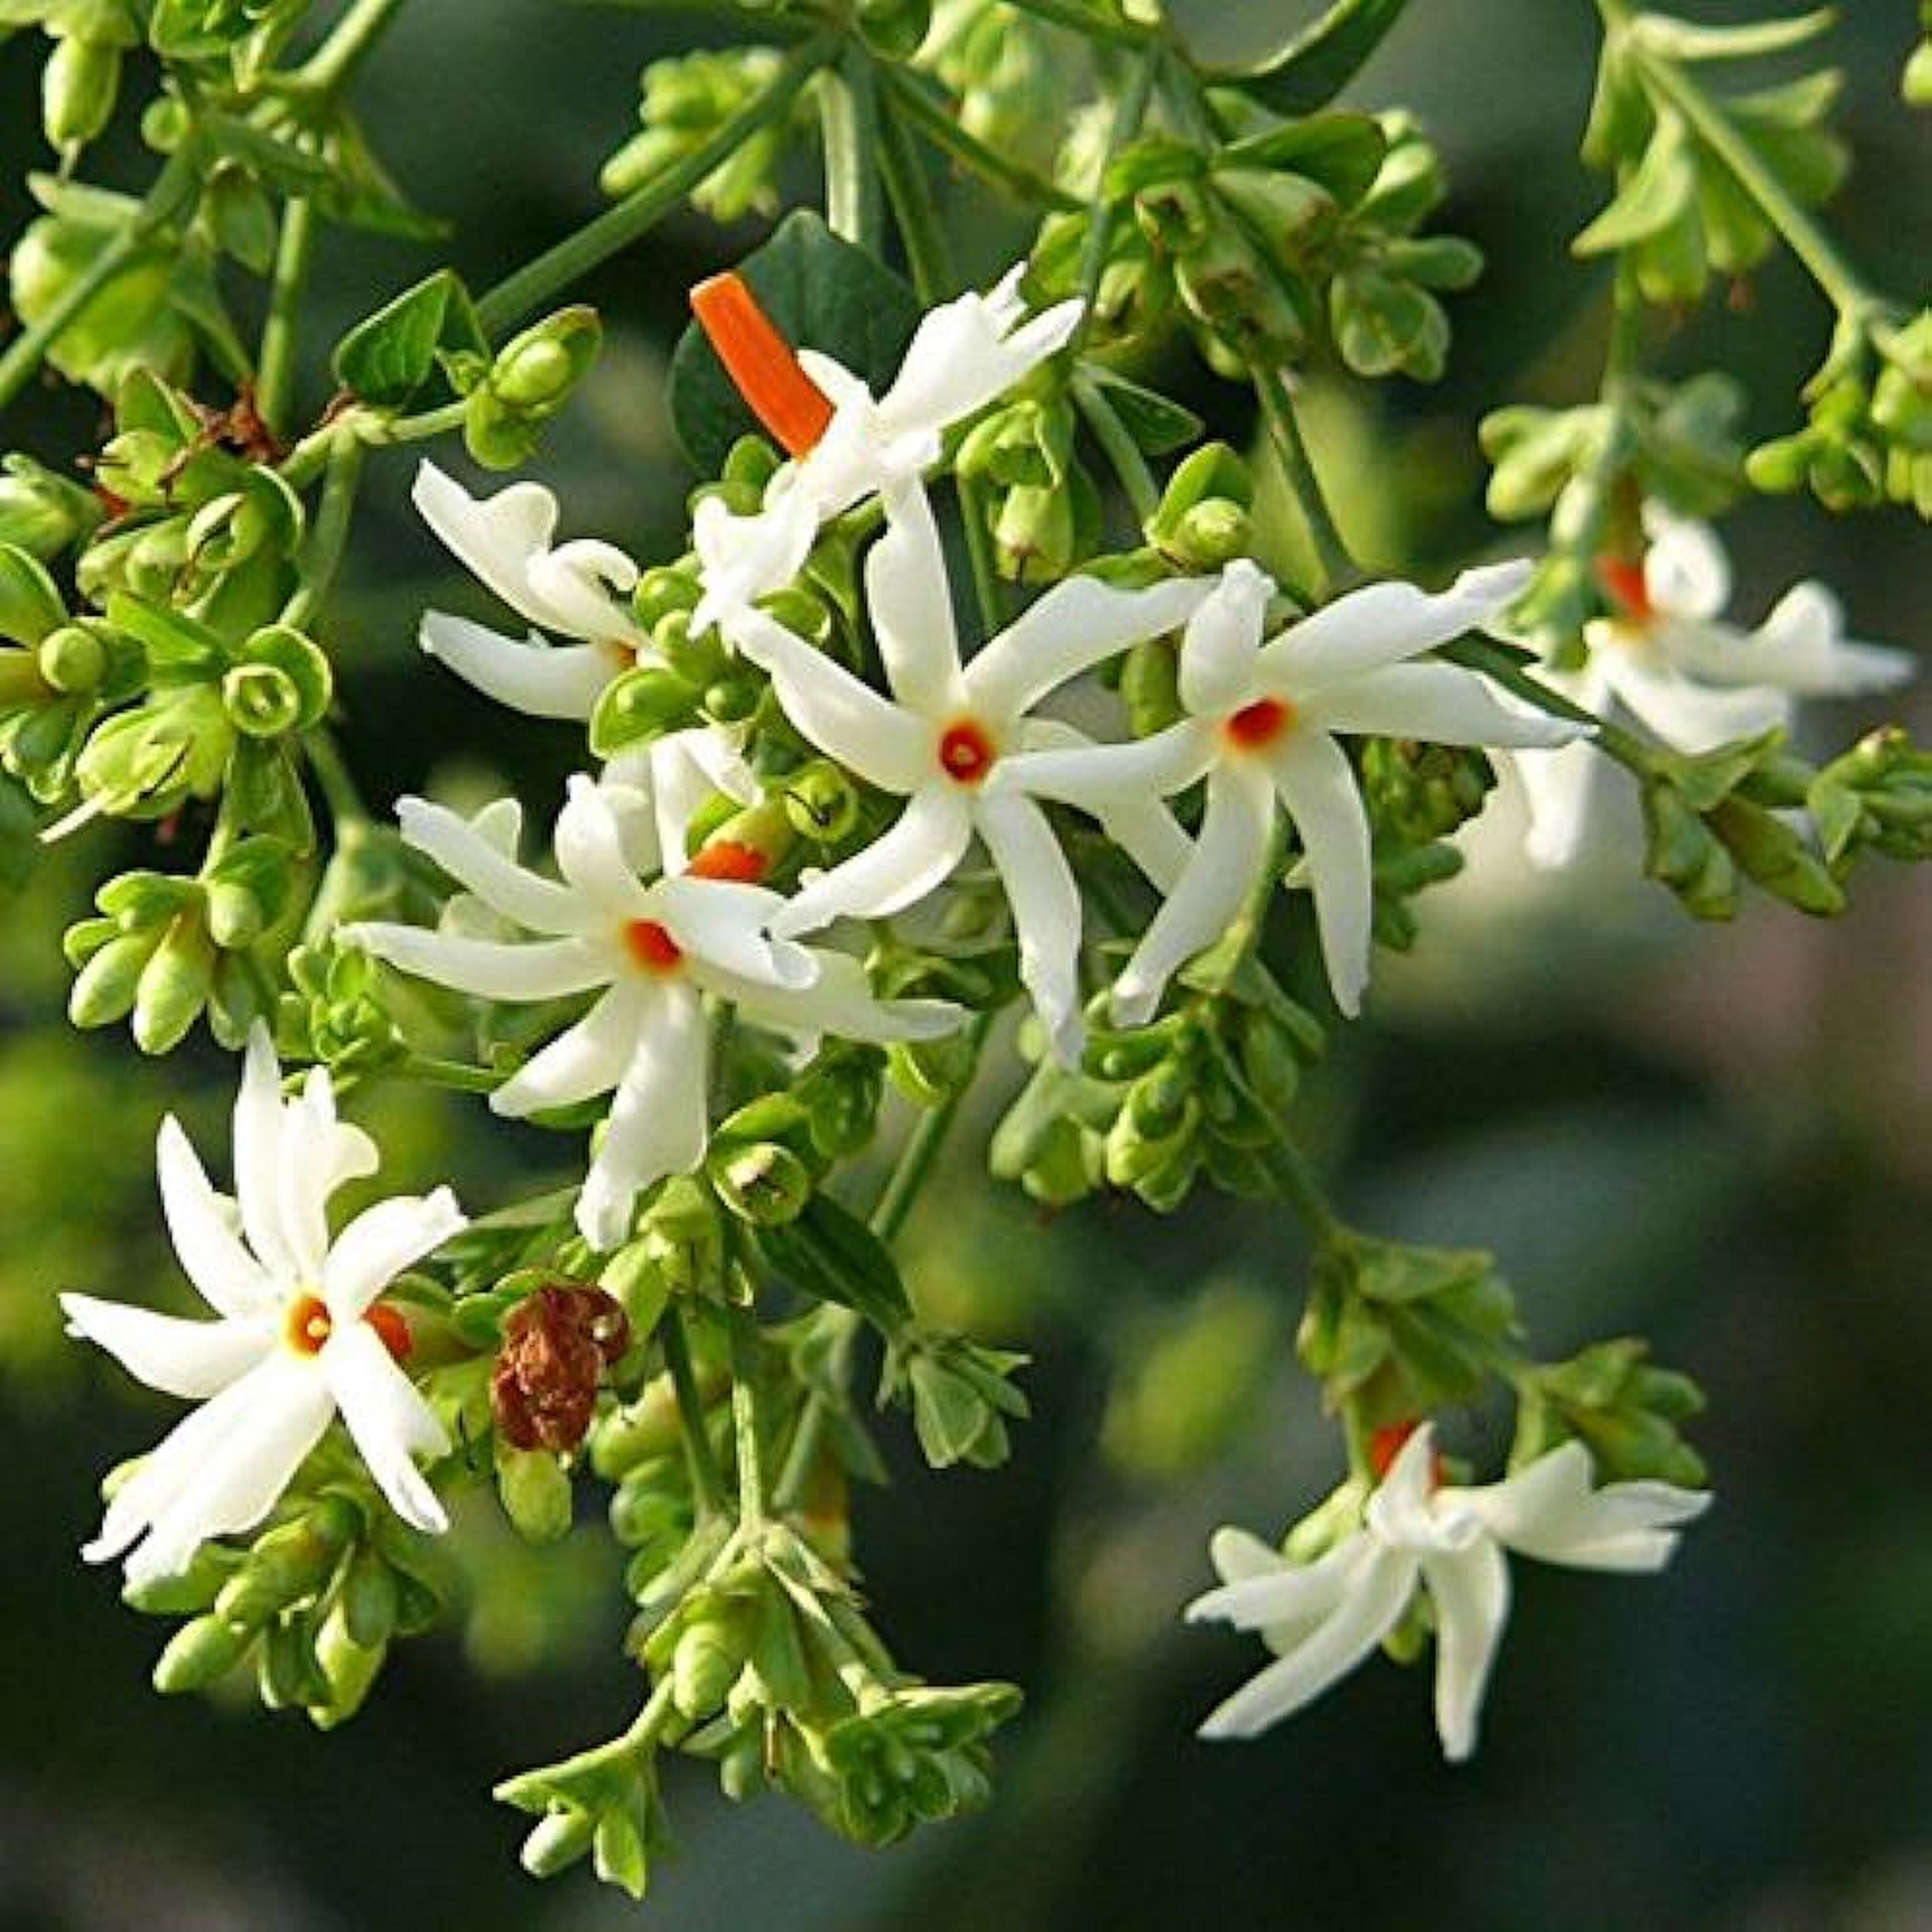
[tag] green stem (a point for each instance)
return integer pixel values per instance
(332, 520)
(928, 116)
(329, 67)
(1129, 115)
(275, 366)
(848, 116)
(1802, 235)
(1084, 21)
(748, 1435)
(172, 196)
(1331, 553)
(1122, 450)
(707, 1480)
(1290, 1169)
(1500, 668)
(617, 228)
(339, 789)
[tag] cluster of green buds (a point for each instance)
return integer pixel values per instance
(1010, 72)
(685, 102)
(1624, 1408)
(81, 81)
(315, 1602)
(244, 32)
(1681, 210)
(41, 513)
(1590, 469)
(1868, 439)
(1042, 505)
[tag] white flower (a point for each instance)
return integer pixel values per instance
(1260, 726)
(1697, 682)
(1323, 1618)
(949, 731)
(849, 445)
(506, 541)
(650, 951)
(298, 1340)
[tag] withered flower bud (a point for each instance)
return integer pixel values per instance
(556, 1345)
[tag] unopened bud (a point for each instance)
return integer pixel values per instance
(200, 1654)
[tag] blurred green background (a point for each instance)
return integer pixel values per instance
(1719, 1137)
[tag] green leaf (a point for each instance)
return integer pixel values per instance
(831, 1254)
(1688, 40)
(1313, 66)
(1659, 190)
(1342, 153)
(820, 292)
(1157, 424)
(387, 358)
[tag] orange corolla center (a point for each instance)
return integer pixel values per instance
(311, 1324)
(1622, 581)
(967, 752)
(1259, 723)
(727, 858)
(761, 363)
(651, 946)
(1386, 1444)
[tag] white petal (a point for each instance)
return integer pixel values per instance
(845, 718)
(227, 1277)
(584, 1060)
(590, 852)
(1684, 574)
(1262, 1590)
(1237, 1554)
(1471, 1591)
(1557, 788)
(718, 922)
(1319, 789)
(1379, 1592)
(539, 679)
(896, 870)
(381, 1242)
(1078, 624)
(195, 1359)
(318, 1155)
(1800, 647)
(909, 601)
(477, 862)
(1548, 1511)
(1381, 624)
(388, 1420)
(1143, 827)
(549, 968)
(685, 770)
(841, 1002)
(742, 558)
(658, 1121)
(230, 1473)
(1217, 655)
(1218, 876)
(257, 1154)
(1438, 703)
(1105, 774)
(1697, 717)
(1046, 910)
(577, 585)
(967, 352)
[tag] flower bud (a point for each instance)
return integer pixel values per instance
(289, 1563)
(535, 1493)
(710, 1653)
(368, 1602)
(261, 701)
(72, 660)
(103, 991)
(558, 1840)
(78, 89)
(174, 985)
(664, 591)
(641, 704)
(764, 1182)
(536, 372)
(821, 803)
(682, 1236)
(30, 605)
(41, 513)
(200, 1654)
(347, 1672)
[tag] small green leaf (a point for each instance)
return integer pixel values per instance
(1342, 153)
(1688, 40)
(386, 358)
(1313, 66)
(820, 292)
(832, 1255)
(1659, 190)
(1157, 424)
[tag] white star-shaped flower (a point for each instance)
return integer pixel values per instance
(1261, 726)
(949, 731)
(574, 589)
(848, 444)
(1323, 1618)
(299, 1337)
(650, 950)
(1668, 657)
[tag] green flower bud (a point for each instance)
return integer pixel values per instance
(664, 591)
(78, 88)
(199, 1654)
(174, 985)
(710, 1653)
(288, 1673)
(1777, 857)
(682, 1236)
(821, 803)
(22, 682)
(764, 1183)
(1915, 85)
(261, 699)
(72, 659)
(369, 1601)
(347, 1672)
(289, 1563)
(535, 372)
(41, 513)
(145, 762)
(302, 662)
(641, 704)
(30, 605)
(1035, 535)
(535, 1493)
(103, 992)
(631, 1279)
